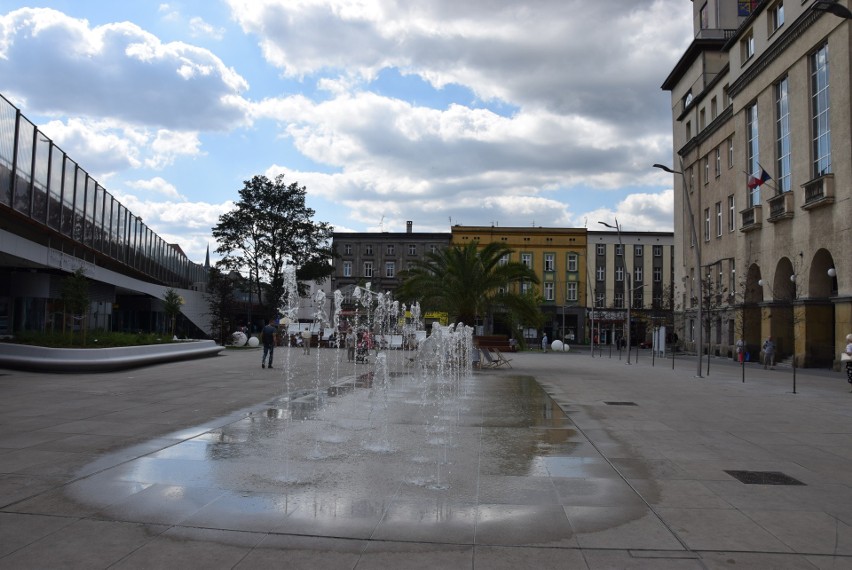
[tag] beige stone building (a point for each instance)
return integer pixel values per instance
(762, 158)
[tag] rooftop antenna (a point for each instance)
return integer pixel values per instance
(382, 224)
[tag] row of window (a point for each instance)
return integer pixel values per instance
(390, 249)
(638, 250)
(618, 301)
(717, 220)
(368, 271)
(638, 274)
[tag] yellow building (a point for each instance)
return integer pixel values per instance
(558, 257)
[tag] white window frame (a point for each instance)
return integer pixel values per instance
(549, 262)
(549, 291)
(732, 213)
(718, 219)
(573, 262)
(658, 275)
(658, 251)
(390, 269)
(527, 260)
(619, 274)
(347, 269)
(368, 269)
(412, 249)
(601, 249)
(571, 291)
(601, 273)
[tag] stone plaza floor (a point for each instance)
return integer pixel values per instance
(562, 461)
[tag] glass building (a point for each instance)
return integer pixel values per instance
(54, 218)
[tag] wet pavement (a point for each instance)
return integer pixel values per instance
(563, 461)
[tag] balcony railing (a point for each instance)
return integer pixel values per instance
(780, 207)
(819, 192)
(752, 219)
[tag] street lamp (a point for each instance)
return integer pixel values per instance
(617, 228)
(697, 247)
(833, 7)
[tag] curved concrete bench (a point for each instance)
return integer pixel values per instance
(26, 357)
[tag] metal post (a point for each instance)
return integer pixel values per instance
(697, 248)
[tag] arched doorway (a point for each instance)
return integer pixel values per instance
(819, 335)
(749, 323)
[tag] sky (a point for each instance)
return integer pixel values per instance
(546, 113)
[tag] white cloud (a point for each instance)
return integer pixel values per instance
(156, 185)
(199, 28)
(119, 71)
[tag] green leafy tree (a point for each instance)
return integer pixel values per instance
(75, 298)
(172, 302)
(469, 282)
(270, 227)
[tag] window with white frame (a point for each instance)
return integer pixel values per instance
(619, 274)
(732, 287)
(368, 249)
(571, 291)
(619, 249)
(782, 136)
(706, 224)
(347, 249)
(618, 300)
(658, 251)
(572, 262)
(658, 275)
(525, 287)
(412, 249)
(718, 219)
(347, 269)
(706, 170)
(638, 250)
(601, 273)
(747, 46)
(776, 16)
(433, 248)
(390, 269)
(731, 152)
(601, 249)
(527, 259)
(504, 259)
(718, 162)
(548, 290)
(368, 269)
(549, 261)
(638, 298)
(637, 274)
(819, 108)
(732, 213)
(714, 108)
(600, 300)
(390, 249)
(752, 153)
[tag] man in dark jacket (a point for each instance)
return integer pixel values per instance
(267, 336)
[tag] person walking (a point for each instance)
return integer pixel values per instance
(740, 348)
(267, 336)
(350, 345)
(306, 341)
(544, 343)
(769, 353)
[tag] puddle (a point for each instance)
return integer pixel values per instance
(318, 447)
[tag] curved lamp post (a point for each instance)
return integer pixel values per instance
(698, 269)
(833, 7)
(617, 228)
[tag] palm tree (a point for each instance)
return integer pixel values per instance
(468, 282)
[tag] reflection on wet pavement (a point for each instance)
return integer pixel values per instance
(498, 463)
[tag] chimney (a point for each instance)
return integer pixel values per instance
(409, 226)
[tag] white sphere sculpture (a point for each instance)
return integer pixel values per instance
(556, 346)
(253, 342)
(239, 338)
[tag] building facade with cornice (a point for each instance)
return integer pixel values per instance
(761, 130)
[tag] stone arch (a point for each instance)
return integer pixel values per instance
(819, 315)
(749, 324)
(820, 284)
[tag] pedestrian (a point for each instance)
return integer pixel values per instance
(513, 344)
(769, 353)
(544, 343)
(350, 345)
(847, 358)
(267, 336)
(740, 347)
(306, 341)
